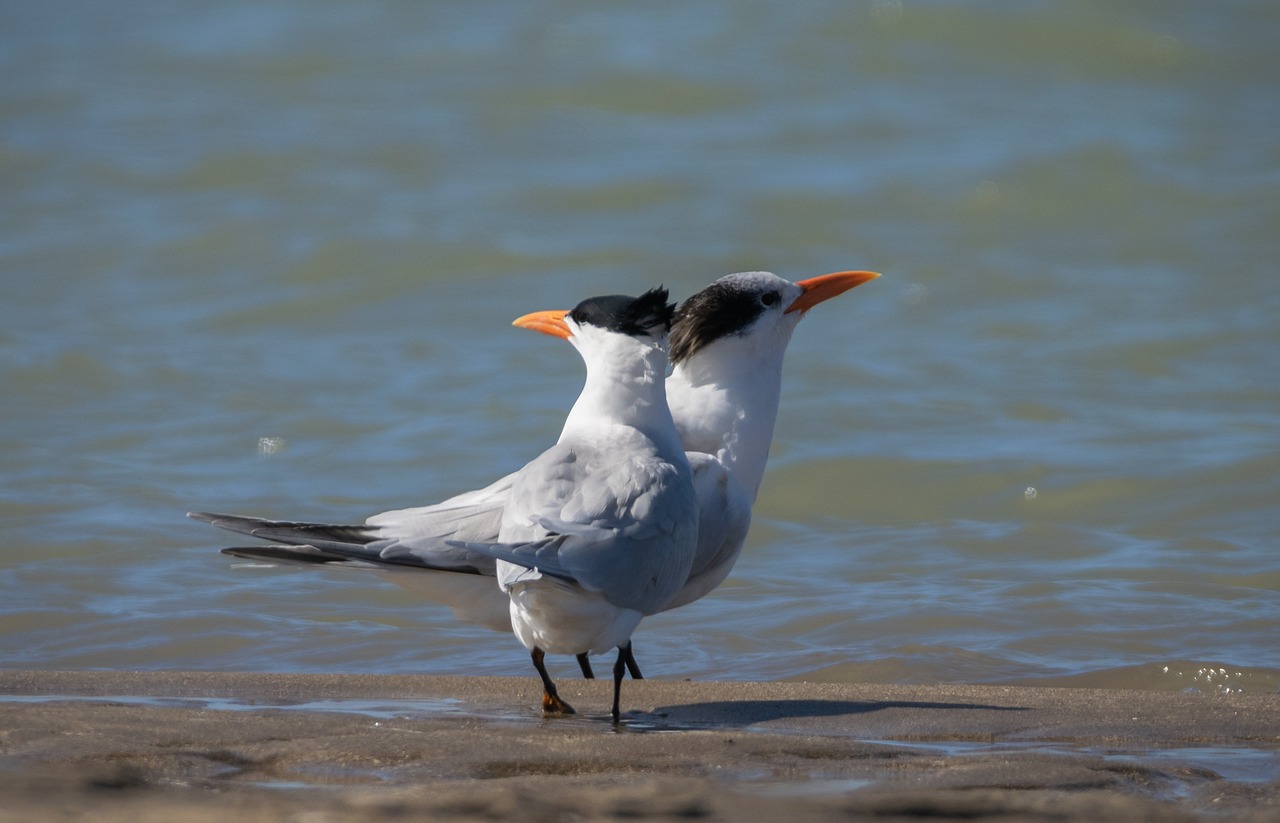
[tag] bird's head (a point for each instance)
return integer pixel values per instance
(753, 307)
(646, 316)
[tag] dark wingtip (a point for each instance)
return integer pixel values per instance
(294, 555)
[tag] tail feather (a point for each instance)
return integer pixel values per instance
(290, 533)
(302, 555)
(370, 547)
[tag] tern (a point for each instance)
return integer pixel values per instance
(599, 531)
(727, 347)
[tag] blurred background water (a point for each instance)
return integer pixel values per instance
(263, 258)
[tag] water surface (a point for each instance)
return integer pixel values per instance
(264, 260)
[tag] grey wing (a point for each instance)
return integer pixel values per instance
(337, 538)
(408, 545)
(530, 534)
(625, 526)
(432, 534)
(539, 555)
(724, 518)
(413, 538)
(298, 555)
(647, 560)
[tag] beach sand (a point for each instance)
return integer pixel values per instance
(151, 746)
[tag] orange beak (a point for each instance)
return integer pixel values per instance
(826, 286)
(547, 322)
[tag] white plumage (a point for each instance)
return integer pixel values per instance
(727, 345)
(599, 530)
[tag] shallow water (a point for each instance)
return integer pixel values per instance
(264, 260)
(1234, 763)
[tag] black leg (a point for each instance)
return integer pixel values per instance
(632, 665)
(619, 668)
(585, 664)
(551, 702)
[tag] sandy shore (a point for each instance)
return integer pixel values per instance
(199, 746)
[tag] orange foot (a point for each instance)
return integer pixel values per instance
(552, 704)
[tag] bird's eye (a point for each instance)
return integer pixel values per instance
(770, 298)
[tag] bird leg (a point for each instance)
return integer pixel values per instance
(619, 669)
(551, 702)
(632, 665)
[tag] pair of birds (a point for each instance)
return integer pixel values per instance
(644, 502)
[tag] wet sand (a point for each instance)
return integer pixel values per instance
(150, 746)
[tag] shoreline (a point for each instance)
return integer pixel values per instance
(139, 746)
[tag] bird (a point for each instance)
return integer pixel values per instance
(599, 531)
(727, 347)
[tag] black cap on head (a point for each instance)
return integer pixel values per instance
(728, 306)
(648, 314)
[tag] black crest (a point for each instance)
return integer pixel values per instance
(724, 308)
(650, 313)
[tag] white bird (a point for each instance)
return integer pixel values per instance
(599, 531)
(727, 347)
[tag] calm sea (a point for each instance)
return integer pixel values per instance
(262, 258)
